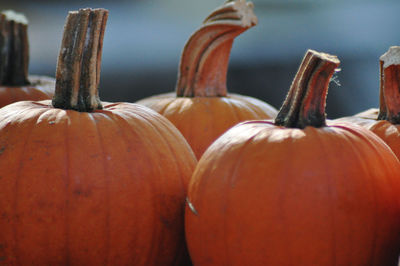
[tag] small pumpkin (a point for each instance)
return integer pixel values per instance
(15, 84)
(84, 182)
(201, 108)
(299, 191)
(385, 121)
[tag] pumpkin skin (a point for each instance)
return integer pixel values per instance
(41, 88)
(100, 188)
(201, 108)
(307, 192)
(212, 115)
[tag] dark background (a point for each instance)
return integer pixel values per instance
(144, 39)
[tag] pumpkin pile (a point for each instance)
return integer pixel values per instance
(88, 182)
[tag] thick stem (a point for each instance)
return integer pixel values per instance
(390, 86)
(204, 61)
(14, 49)
(305, 103)
(78, 66)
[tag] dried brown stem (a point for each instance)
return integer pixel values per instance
(204, 61)
(389, 108)
(305, 103)
(14, 49)
(78, 66)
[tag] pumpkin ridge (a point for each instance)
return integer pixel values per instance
(154, 249)
(130, 127)
(107, 177)
(329, 186)
(68, 198)
(361, 160)
(16, 247)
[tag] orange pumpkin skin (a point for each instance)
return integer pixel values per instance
(91, 188)
(266, 195)
(41, 88)
(212, 115)
(388, 132)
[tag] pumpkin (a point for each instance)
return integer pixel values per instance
(15, 84)
(385, 121)
(201, 108)
(84, 182)
(297, 191)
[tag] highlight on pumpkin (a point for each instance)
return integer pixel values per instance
(14, 49)
(78, 67)
(204, 61)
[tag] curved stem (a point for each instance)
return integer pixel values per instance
(204, 61)
(305, 103)
(78, 66)
(389, 108)
(14, 49)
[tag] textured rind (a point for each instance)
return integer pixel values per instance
(201, 120)
(266, 195)
(100, 188)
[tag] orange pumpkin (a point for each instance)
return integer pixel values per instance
(201, 108)
(15, 85)
(297, 191)
(104, 185)
(385, 121)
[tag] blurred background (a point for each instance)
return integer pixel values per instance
(144, 39)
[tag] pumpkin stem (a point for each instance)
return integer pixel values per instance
(389, 108)
(14, 49)
(305, 103)
(204, 61)
(78, 66)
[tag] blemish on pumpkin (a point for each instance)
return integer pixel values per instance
(2, 149)
(165, 222)
(191, 207)
(80, 192)
(3, 258)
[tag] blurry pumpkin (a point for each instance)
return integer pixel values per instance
(15, 85)
(385, 121)
(201, 108)
(89, 183)
(299, 191)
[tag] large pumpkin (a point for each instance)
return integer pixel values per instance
(385, 121)
(297, 191)
(90, 183)
(201, 108)
(15, 84)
